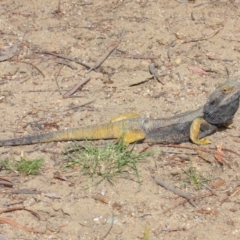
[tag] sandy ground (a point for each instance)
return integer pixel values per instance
(177, 36)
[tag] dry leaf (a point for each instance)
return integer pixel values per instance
(217, 184)
(197, 70)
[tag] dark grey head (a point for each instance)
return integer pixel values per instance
(222, 103)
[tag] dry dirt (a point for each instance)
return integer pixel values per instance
(176, 36)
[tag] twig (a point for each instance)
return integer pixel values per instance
(76, 87)
(154, 72)
(176, 191)
(6, 183)
(58, 11)
(137, 56)
(59, 90)
(228, 72)
(82, 105)
(15, 224)
(220, 59)
(26, 191)
(201, 4)
(20, 208)
(67, 58)
(142, 57)
(204, 38)
(84, 4)
(232, 194)
(29, 64)
(231, 40)
(14, 203)
(35, 91)
(192, 16)
(107, 54)
(67, 63)
(231, 151)
(109, 230)
(207, 150)
(185, 200)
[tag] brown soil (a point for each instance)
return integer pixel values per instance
(180, 35)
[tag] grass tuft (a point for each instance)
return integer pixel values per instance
(27, 167)
(195, 178)
(105, 163)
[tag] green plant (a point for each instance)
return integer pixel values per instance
(27, 167)
(195, 178)
(105, 163)
(5, 164)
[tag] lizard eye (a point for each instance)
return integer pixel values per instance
(225, 90)
(212, 102)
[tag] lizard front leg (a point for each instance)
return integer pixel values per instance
(130, 136)
(195, 130)
(133, 136)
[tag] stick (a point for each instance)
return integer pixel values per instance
(76, 87)
(67, 63)
(154, 72)
(204, 38)
(110, 228)
(82, 105)
(207, 150)
(185, 200)
(176, 191)
(107, 54)
(67, 58)
(59, 90)
(29, 64)
(26, 191)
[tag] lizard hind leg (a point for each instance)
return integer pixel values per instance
(125, 116)
(133, 136)
(194, 132)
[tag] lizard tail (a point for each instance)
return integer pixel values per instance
(104, 131)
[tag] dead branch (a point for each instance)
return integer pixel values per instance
(29, 64)
(110, 228)
(17, 225)
(64, 57)
(76, 87)
(176, 191)
(185, 200)
(207, 150)
(107, 54)
(14, 223)
(82, 105)
(20, 208)
(67, 63)
(26, 191)
(154, 72)
(203, 38)
(58, 86)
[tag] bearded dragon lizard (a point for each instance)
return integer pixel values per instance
(219, 110)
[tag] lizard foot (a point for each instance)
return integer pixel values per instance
(194, 132)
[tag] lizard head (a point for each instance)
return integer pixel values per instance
(222, 103)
